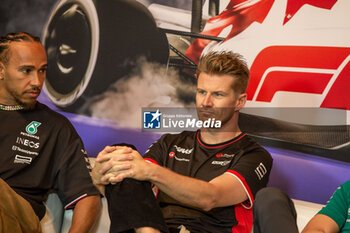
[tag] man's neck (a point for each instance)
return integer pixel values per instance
(11, 107)
(229, 130)
(14, 106)
(215, 136)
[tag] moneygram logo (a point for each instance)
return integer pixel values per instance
(175, 120)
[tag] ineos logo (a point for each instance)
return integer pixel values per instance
(27, 142)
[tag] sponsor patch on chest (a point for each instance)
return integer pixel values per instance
(221, 163)
(183, 150)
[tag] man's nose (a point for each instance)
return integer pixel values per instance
(37, 79)
(207, 101)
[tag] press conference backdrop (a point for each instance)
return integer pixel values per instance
(109, 59)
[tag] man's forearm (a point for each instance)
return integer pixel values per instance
(85, 213)
(190, 191)
(223, 190)
(321, 224)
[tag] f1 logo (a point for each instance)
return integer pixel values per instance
(322, 71)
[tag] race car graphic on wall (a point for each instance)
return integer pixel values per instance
(297, 50)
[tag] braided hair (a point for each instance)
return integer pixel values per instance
(13, 37)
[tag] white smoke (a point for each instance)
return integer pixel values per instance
(153, 85)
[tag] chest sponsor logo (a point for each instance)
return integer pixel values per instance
(27, 143)
(222, 163)
(260, 171)
(22, 159)
(173, 155)
(16, 148)
(221, 155)
(181, 159)
(183, 150)
(32, 128)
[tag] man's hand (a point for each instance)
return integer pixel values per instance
(96, 176)
(122, 163)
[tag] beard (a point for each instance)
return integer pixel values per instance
(222, 114)
(27, 104)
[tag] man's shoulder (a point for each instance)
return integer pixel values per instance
(250, 145)
(346, 187)
(54, 119)
(44, 109)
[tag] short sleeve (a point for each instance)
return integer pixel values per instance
(338, 204)
(73, 181)
(252, 170)
(155, 153)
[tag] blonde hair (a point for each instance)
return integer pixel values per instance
(226, 63)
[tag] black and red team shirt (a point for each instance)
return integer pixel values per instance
(41, 151)
(188, 155)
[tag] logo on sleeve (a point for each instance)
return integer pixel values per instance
(32, 128)
(260, 171)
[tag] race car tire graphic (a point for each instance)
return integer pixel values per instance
(92, 44)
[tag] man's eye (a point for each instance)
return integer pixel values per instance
(201, 92)
(42, 70)
(26, 71)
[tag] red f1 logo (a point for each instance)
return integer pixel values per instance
(317, 70)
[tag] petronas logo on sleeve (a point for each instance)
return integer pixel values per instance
(32, 128)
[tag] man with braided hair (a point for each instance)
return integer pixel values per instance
(40, 149)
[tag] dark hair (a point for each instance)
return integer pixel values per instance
(226, 63)
(126, 144)
(13, 37)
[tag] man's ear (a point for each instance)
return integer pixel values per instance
(2, 70)
(241, 100)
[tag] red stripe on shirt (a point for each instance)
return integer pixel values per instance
(241, 178)
(244, 216)
(151, 160)
(213, 147)
(155, 189)
(75, 201)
